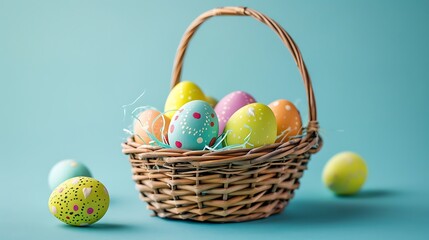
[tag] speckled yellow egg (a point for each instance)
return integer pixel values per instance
(181, 94)
(288, 119)
(79, 201)
(345, 173)
(150, 121)
(255, 120)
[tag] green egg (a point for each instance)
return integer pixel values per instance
(345, 173)
(79, 201)
(254, 121)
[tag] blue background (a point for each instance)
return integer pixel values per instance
(67, 67)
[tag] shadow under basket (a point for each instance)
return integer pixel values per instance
(231, 185)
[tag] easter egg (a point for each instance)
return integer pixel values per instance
(211, 100)
(66, 169)
(182, 93)
(255, 119)
(153, 122)
(193, 126)
(289, 123)
(79, 201)
(229, 104)
(345, 173)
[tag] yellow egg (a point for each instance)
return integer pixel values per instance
(212, 101)
(345, 173)
(255, 119)
(181, 94)
(289, 123)
(79, 201)
(151, 122)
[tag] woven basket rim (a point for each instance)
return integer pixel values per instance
(201, 158)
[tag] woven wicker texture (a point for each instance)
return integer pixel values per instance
(225, 186)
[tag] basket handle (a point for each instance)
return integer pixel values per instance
(284, 36)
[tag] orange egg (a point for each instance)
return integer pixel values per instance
(288, 119)
(150, 121)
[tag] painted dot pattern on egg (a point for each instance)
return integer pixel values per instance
(198, 124)
(196, 115)
(81, 202)
(54, 210)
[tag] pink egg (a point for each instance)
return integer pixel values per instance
(229, 104)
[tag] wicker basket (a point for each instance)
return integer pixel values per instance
(224, 186)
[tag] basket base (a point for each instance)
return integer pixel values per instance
(248, 218)
(263, 212)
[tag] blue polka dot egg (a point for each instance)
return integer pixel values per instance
(194, 126)
(79, 201)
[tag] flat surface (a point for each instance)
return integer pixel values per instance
(67, 67)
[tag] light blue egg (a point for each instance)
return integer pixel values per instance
(194, 126)
(66, 169)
